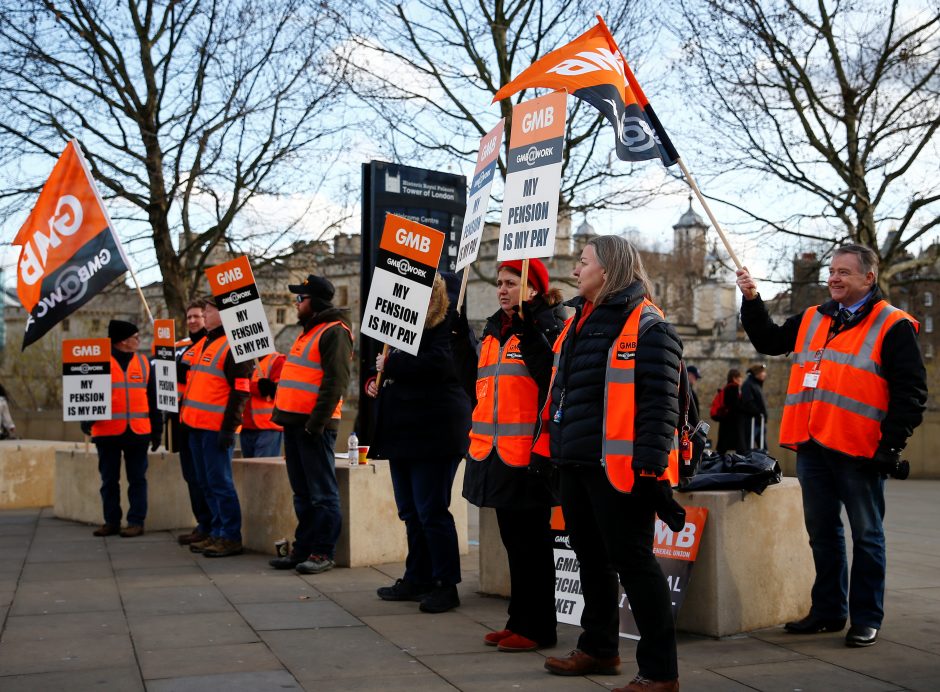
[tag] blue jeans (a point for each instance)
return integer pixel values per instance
(311, 470)
(197, 499)
(260, 443)
(135, 467)
(830, 480)
(213, 467)
(422, 493)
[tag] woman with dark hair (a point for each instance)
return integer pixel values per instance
(611, 424)
(502, 472)
(730, 427)
(422, 418)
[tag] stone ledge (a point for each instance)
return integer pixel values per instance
(27, 469)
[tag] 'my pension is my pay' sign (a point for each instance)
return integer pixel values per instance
(530, 203)
(243, 318)
(479, 196)
(86, 379)
(401, 284)
(164, 364)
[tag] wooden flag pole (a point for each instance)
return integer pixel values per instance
(378, 378)
(523, 283)
(463, 289)
(708, 211)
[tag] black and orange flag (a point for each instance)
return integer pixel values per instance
(593, 69)
(69, 252)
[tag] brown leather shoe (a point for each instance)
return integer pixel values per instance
(106, 530)
(132, 531)
(223, 547)
(641, 684)
(193, 536)
(579, 663)
(200, 546)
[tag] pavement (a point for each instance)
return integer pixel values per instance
(81, 613)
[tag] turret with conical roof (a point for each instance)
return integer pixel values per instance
(689, 240)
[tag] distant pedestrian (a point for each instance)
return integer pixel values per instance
(7, 426)
(730, 432)
(754, 408)
(694, 376)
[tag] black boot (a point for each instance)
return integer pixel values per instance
(440, 599)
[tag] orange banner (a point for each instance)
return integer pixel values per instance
(412, 240)
(230, 275)
(86, 351)
(164, 333)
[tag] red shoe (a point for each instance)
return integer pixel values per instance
(494, 638)
(517, 642)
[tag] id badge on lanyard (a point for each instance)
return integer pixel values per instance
(811, 379)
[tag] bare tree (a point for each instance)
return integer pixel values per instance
(189, 111)
(430, 70)
(835, 101)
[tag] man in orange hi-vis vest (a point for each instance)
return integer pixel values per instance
(857, 390)
(308, 403)
(135, 423)
(216, 391)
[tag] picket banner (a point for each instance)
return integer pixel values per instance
(533, 178)
(409, 253)
(164, 365)
(86, 379)
(239, 302)
(479, 195)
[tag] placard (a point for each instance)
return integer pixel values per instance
(533, 178)
(86, 379)
(239, 302)
(401, 283)
(675, 552)
(479, 195)
(164, 365)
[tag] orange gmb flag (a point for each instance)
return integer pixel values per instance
(593, 69)
(68, 252)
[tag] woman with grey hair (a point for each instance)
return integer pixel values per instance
(617, 461)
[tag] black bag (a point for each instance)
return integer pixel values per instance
(752, 472)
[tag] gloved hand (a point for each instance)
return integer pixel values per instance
(888, 462)
(658, 494)
(86, 427)
(523, 326)
(313, 430)
(155, 441)
(461, 326)
(267, 388)
(226, 440)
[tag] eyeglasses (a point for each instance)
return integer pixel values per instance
(301, 298)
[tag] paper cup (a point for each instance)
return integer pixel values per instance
(363, 454)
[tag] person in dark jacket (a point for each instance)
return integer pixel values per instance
(730, 430)
(422, 421)
(501, 470)
(857, 390)
(608, 498)
(135, 422)
(754, 408)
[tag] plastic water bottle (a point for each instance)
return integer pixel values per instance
(352, 449)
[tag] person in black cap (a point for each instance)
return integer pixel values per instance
(135, 421)
(308, 403)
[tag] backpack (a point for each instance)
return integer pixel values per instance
(719, 409)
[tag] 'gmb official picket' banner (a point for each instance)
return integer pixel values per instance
(246, 325)
(401, 283)
(69, 251)
(86, 379)
(479, 197)
(675, 552)
(164, 364)
(533, 178)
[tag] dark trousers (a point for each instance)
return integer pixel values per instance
(197, 499)
(259, 444)
(527, 536)
(213, 468)
(612, 535)
(422, 493)
(311, 470)
(135, 468)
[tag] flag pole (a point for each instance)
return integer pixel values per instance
(107, 217)
(701, 198)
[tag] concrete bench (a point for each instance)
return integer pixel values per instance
(371, 534)
(27, 470)
(754, 567)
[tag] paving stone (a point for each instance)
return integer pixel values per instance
(344, 579)
(142, 556)
(225, 659)
(425, 682)
(75, 596)
(125, 679)
(65, 626)
(425, 634)
(296, 615)
(38, 572)
(806, 675)
(234, 682)
(703, 652)
(269, 588)
(495, 670)
(366, 603)
(150, 577)
(174, 600)
(339, 654)
(6, 597)
(60, 653)
(68, 552)
(200, 629)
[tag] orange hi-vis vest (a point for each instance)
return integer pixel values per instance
(187, 356)
(207, 388)
(299, 386)
(128, 400)
(619, 405)
(261, 408)
(844, 410)
(507, 407)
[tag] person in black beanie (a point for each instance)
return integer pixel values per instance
(135, 422)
